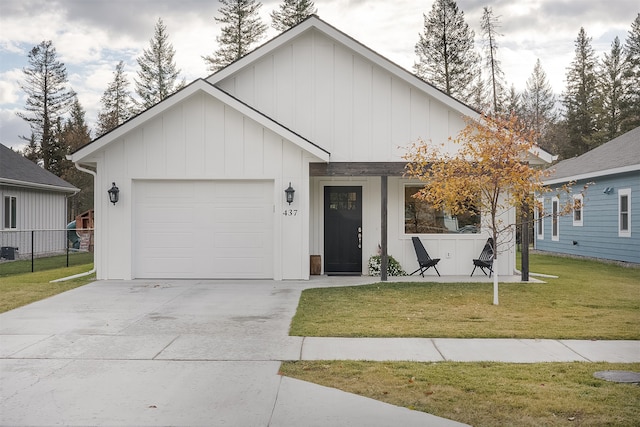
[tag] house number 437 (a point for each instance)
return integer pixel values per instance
(290, 212)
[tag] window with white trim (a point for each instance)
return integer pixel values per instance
(555, 219)
(624, 212)
(10, 211)
(540, 219)
(578, 210)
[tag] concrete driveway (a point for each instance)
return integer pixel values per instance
(148, 353)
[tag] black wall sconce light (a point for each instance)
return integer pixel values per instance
(289, 192)
(608, 190)
(114, 193)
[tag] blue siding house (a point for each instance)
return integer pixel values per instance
(607, 223)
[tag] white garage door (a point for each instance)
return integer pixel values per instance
(203, 229)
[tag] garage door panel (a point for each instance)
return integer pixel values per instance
(203, 229)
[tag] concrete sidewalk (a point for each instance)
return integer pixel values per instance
(189, 353)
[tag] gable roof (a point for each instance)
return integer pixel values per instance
(621, 154)
(18, 171)
(219, 94)
(314, 22)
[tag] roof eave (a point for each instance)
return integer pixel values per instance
(594, 174)
(38, 186)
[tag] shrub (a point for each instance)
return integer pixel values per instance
(393, 269)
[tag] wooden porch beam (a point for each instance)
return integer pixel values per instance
(357, 169)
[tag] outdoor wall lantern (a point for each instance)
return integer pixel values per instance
(608, 190)
(289, 191)
(113, 193)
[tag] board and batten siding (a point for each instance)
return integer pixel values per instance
(201, 138)
(598, 236)
(35, 210)
(342, 101)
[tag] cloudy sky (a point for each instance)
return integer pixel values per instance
(92, 36)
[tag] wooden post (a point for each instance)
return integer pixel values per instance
(384, 256)
(524, 241)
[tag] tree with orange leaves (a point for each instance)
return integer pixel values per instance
(489, 172)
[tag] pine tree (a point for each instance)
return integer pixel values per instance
(291, 13)
(631, 101)
(117, 104)
(445, 50)
(158, 72)
(513, 102)
(75, 134)
(538, 105)
(48, 98)
(611, 91)
(478, 97)
(580, 99)
(242, 28)
(490, 25)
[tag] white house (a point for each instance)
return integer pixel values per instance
(32, 199)
(202, 175)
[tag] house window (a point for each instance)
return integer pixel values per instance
(421, 218)
(624, 212)
(577, 210)
(555, 218)
(540, 219)
(10, 210)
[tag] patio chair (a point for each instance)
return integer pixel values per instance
(485, 260)
(424, 260)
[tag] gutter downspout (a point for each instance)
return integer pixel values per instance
(93, 270)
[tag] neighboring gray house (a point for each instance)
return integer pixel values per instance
(32, 199)
(605, 226)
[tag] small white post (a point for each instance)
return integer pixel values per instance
(495, 281)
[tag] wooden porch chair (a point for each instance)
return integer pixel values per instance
(485, 260)
(424, 260)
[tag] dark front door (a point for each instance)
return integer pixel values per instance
(343, 230)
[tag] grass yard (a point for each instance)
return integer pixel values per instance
(22, 289)
(487, 394)
(11, 268)
(589, 300)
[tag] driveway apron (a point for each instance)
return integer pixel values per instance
(147, 353)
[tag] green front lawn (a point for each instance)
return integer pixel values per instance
(589, 300)
(22, 289)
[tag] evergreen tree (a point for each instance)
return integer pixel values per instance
(445, 50)
(478, 97)
(31, 150)
(631, 101)
(158, 72)
(48, 98)
(490, 25)
(242, 28)
(611, 90)
(117, 105)
(538, 106)
(580, 100)
(75, 134)
(291, 13)
(513, 102)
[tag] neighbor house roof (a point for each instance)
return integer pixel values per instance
(621, 154)
(18, 171)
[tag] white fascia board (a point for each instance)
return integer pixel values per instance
(588, 175)
(351, 43)
(198, 85)
(25, 184)
(543, 155)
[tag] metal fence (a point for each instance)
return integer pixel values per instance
(34, 250)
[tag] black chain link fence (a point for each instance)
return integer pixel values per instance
(23, 251)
